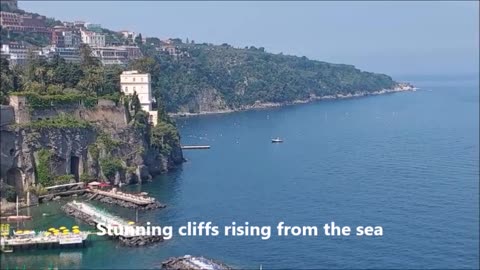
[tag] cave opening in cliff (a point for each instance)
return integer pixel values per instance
(15, 179)
(74, 167)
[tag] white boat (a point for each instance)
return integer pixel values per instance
(277, 140)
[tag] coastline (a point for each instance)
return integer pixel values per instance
(401, 87)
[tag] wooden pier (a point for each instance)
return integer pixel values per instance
(195, 147)
(139, 200)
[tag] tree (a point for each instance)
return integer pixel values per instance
(139, 39)
(135, 104)
(162, 115)
(86, 58)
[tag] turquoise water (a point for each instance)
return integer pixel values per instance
(408, 162)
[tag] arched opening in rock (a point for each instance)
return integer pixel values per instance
(74, 167)
(15, 179)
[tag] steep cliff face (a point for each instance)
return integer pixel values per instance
(32, 155)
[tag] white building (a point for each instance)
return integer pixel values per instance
(133, 81)
(17, 53)
(70, 54)
(93, 39)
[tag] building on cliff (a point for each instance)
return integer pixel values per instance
(132, 81)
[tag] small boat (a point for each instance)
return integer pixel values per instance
(277, 140)
(18, 218)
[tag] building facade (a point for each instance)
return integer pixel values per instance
(23, 22)
(17, 52)
(70, 54)
(132, 81)
(65, 37)
(92, 39)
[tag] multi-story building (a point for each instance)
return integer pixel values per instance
(111, 55)
(23, 22)
(65, 37)
(116, 55)
(70, 54)
(134, 82)
(17, 52)
(93, 39)
(128, 34)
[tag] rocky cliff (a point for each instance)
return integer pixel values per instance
(34, 153)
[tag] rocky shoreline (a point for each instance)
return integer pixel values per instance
(135, 241)
(110, 200)
(402, 87)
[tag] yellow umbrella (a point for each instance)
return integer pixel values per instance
(52, 229)
(19, 232)
(76, 232)
(26, 231)
(62, 228)
(4, 234)
(75, 227)
(55, 233)
(131, 223)
(64, 232)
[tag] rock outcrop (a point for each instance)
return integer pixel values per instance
(80, 151)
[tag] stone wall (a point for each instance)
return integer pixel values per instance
(105, 112)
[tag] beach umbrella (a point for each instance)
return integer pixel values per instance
(76, 232)
(131, 223)
(18, 232)
(75, 227)
(52, 229)
(62, 228)
(55, 233)
(65, 232)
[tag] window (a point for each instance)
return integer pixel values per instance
(133, 78)
(126, 89)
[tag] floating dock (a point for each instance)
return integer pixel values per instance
(193, 147)
(42, 240)
(193, 263)
(93, 216)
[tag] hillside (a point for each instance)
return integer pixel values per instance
(207, 78)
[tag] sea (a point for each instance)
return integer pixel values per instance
(406, 162)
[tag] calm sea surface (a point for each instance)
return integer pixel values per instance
(408, 162)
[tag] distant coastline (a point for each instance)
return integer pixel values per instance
(400, 87)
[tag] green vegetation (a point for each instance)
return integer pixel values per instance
(61, 82)
(38, 190)
(44, 176)
(64, 179)
(244, 76)
(39, 101)
(110, 166)
(8, 192)
(164, 137)
(60, 121)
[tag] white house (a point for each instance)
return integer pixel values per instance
(133, 81)
(92, 39)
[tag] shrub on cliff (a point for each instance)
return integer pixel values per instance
(110, 166)
(44, 175)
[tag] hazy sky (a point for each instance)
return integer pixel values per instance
(390, 37)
